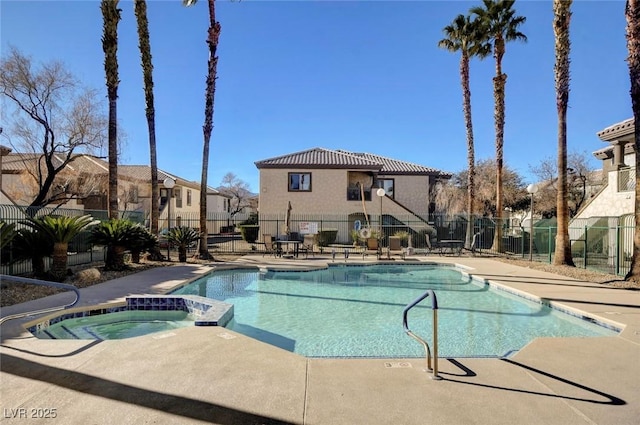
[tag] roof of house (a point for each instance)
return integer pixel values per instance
(616, 130)
(341, 159)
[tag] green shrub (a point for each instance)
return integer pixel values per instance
(326, 237)
(249, 232)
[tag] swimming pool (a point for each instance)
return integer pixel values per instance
(356, 311)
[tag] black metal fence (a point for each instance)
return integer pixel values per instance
(600, 243)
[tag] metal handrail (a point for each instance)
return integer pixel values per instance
(405, 325)
(44, 283)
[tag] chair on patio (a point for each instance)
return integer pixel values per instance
(307, 245)
(373, 247)
(271, 247)
(395, 246)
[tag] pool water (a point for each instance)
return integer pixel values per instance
(356, 311)
(119, 325)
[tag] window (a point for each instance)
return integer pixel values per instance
(299, 182)
(188, 197)
(387, 185)
(177, 193)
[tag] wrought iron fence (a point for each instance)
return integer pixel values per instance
(599, 243)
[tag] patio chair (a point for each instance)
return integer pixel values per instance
(271, 247)
(373, 246)
(395, 246)
(307, 245)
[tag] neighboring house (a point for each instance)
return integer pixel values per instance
(617, 196)
(338, 182)
(85, 181)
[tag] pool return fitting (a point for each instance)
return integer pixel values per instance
(434, 308)
(7, 278)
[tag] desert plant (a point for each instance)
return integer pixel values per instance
(116, 235)
(326, 237)
(355, 236)
(60, 230)
(403, 235)
(141, 240)
(249, 232)
(182, 237)
(33, 245)
(7, 233)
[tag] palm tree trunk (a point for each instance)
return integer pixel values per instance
(212, 41)
(182, 254)
(59, 261)
(147, 70)
(466, 106)
(115, 257)
(111, 17)
(632, 13)
(499, 82)
(562, 16)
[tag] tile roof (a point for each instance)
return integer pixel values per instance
(616, 130)
(318, 157)
(341, 159)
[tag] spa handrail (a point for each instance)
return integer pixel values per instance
(44, 283)
(405, 325)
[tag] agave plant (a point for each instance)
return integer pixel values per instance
(59, 230)
(116, 235)
(182, 237)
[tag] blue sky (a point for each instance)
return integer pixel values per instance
(365, 76)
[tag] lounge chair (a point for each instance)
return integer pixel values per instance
(271, 247)
(373, 246)
(395, 247)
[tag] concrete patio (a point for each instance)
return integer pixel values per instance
(213, 375)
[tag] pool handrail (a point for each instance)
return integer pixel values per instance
(405, 325)
(44, 283)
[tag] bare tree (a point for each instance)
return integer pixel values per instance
(237, 190)
(54, 118)
(582, 181)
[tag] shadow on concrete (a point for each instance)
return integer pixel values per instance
(72, 353)
(610, 399)
(172, 404)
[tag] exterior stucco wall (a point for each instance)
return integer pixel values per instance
(610, 202)
(328, 194)
(412, 192)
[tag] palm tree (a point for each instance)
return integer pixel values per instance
(33, 245)
(632, 13)
(111, 17)
(182, 237)
(117, 235)
(207, 128)
(561, 20)
(147, 70)
(7, 233)
(501, 25)
(464, 35)
(60, 230)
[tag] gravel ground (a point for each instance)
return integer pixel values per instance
(16, 293)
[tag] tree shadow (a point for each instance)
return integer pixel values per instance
(172, 404)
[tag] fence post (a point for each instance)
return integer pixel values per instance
(616, 263)
(586, 238)
(549, 234)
